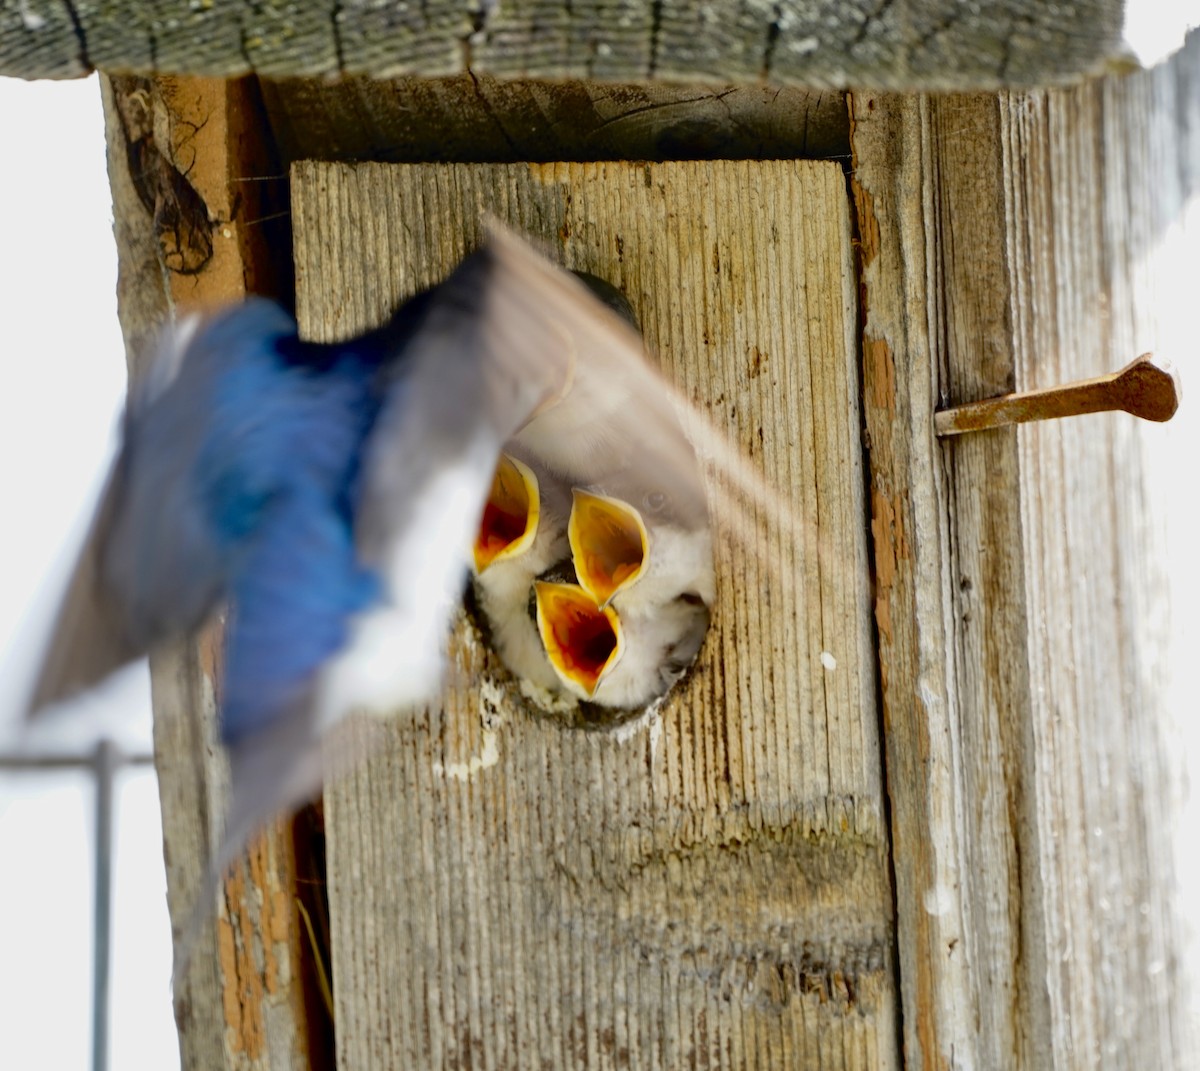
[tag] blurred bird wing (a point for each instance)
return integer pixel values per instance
(485, 356)
(165, 559)
(149, 567)
(89, 637)
(273, 770)
(616, 426)
(620, 427)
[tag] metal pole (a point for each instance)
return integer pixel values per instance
(104, 764)
(22, 762)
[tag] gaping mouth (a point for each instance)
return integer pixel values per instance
(583, 640)
(609, 544)
(510, 516)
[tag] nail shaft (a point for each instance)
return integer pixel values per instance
(1144, 388)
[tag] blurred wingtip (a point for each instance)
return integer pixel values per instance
(533, 263)
(87, 641)
(736, 485)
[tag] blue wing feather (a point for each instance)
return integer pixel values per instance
(277, 474)
(293, 597)
(277, 426)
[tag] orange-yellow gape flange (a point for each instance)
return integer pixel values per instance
(582, 639)
(609, 544)
(510, 517)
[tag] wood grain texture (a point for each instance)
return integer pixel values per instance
(902, 45)
(947, 1020)
(183, 242)
(709, 889)
(472, 118)
(1021, 600)
(1098, 184)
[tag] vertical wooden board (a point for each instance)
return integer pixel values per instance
(991, 722)
(922, 167)
(709, 888)
(1023, 241)
(1099, 181)
(188, 237)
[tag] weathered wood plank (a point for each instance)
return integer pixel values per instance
(907, 44)
(1097, 181)
(894, 169)
(709, 888)
(1021, 591)
(186, 239)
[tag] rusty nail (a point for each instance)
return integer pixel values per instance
(1144, 388)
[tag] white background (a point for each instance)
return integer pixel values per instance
(64, 377)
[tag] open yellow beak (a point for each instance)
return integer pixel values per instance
(582, 639)
(510, 517)
(609, 544)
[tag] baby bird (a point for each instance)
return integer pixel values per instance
(523, 535)
(638, 531)
(649, 575)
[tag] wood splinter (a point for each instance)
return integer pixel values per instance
(1143, 387)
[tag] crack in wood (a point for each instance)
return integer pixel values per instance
(80, 34)
(335, 27)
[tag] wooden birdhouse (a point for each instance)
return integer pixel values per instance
(914, 804)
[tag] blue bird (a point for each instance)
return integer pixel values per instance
(327, 493)
(329, 496)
